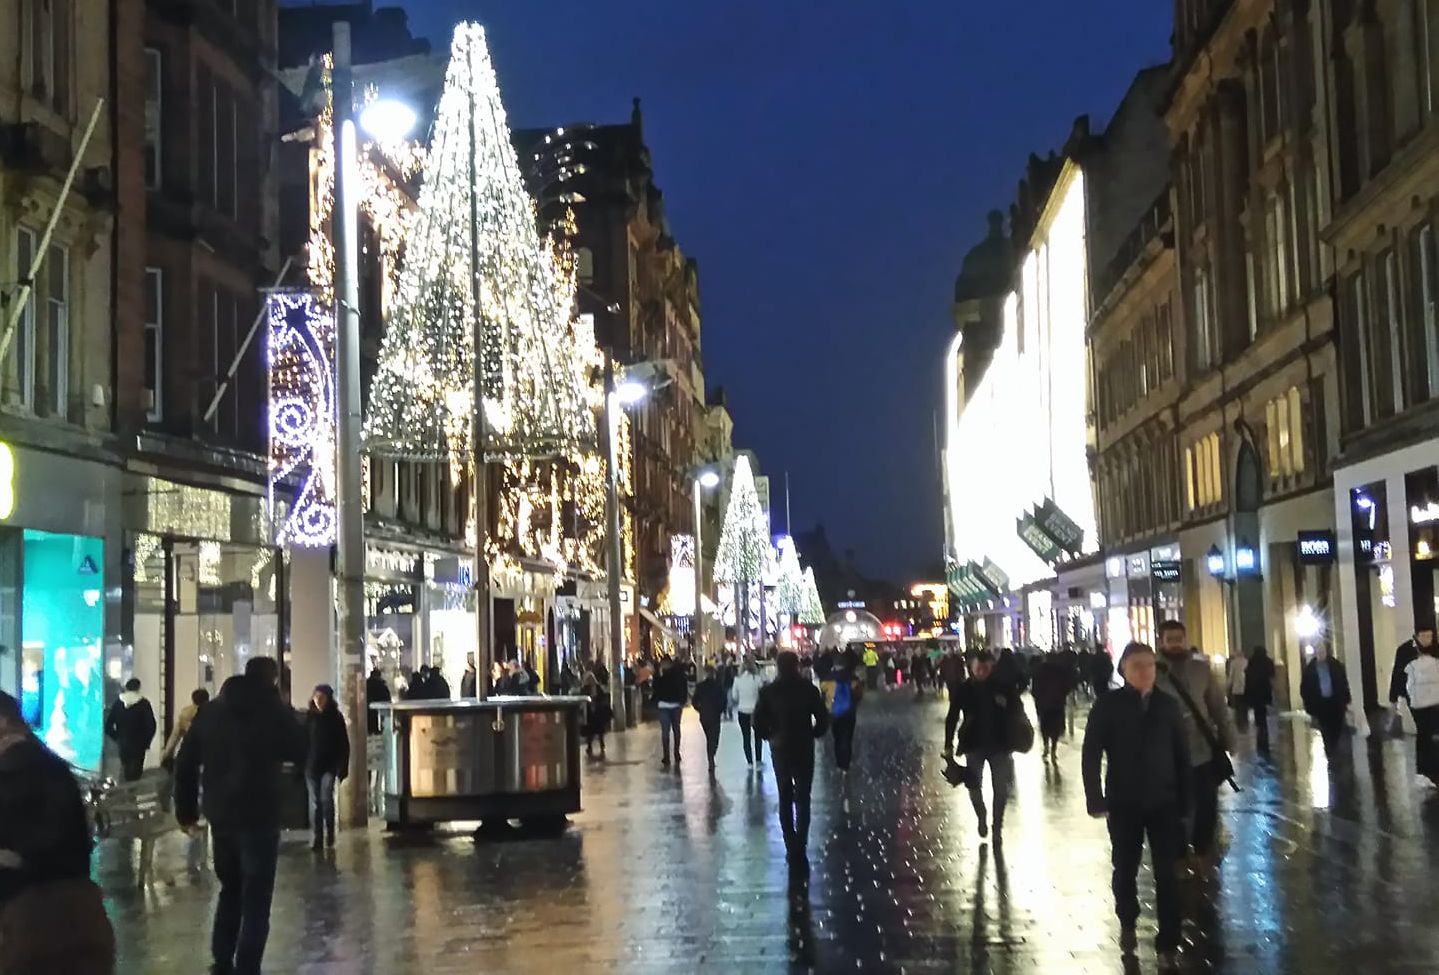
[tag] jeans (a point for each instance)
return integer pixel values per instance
(1128, 827)
(711, 728)
(670, 729)
(1001, 774)
(132, 765)
(245, 867)
(842, 728)
(795, 778)
(1206, 809)
(322, 803)
(746, 732)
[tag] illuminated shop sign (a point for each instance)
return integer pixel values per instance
(1038, 540)
(1165, 570)
(1424, 514)
(7, 481)
(1315, 547)
(1060, 527)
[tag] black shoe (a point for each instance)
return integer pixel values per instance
(330, 839)
(983, 828)
(665, 762)
(1128, 940)
(317, 846)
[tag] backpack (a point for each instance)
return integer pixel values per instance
(843, 701)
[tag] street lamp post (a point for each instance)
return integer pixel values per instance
(705, 479)
(349, 512)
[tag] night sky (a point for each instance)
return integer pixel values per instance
(829, 163)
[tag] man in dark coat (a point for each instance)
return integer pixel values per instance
(790, 715)
(989, 703)
(235, 749)
(710, 700)
(327, 762)
(1259, 694)
(1324, 689)
(470, 680)
(1404, 655)
(376, 692)
(130, 724)
(52, 917)
(1140, 735)
(671, 693)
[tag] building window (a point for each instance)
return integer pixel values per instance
(1251, 293)
(50, 40)
(1386, 344)
(37, 375)
(1205, 346)
(1428, 317)
(219, 144)
(585, 265)
(153, 105)
(1277, 236)
(154, 342)
(1356, 314)
(1284, 417)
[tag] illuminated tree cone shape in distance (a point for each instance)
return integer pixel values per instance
(789, 581)
(812, 611)
(744, 539)
(422, 399)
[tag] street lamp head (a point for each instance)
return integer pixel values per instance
(630, 392)
(708, 479)
(388, 119)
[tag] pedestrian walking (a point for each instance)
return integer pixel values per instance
(1209, 732)
(1259, 694)
(791, 715)
(130, 724)
(233, 755)
(844, 691)
(1139, 737)
(671, 692)
(326, 762)
(919, 667)
(1051, 692)
(1234, 670)
(1101, 670)
(598, 714)
(746, 691)
(871, 668)
(376, 692)
(52, 916)
(953, 672)
(990, 708)
(1324, 689)
(709, 700)
(198, 699)
(1422, 690)
(1405, 654)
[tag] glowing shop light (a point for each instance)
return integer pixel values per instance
(709, 479)
(628, 393)
(1245, 559)
(1307, 624)
(388, 120)
(1214, 561)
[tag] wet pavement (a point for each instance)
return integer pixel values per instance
(664, 872)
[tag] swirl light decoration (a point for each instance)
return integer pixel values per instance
(300, 353)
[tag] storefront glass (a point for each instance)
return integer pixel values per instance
(62, 624)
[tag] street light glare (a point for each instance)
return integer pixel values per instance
(388, 120)
(708, 479)
(631, 392)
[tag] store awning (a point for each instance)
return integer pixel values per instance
(655, 622)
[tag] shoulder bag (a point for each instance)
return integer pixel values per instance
(1223, 766)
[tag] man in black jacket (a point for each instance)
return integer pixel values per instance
(1140, 735)
(990, 704)
(710, 700)
(1324, 689)
(790, 715)
(1404, 655)
(130, 724)
(671, 692)
(235, 749)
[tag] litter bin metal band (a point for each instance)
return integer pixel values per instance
(463, 760)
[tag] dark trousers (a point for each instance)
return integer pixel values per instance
(1329, 717)
(132, 764)
(752, 752)
(245, 867)
(1261, 726)
(711, 727)
(1128, 827)
(1001, 774)
(795, 777)
(842, 728)
(670, 729)
(951, 716)
(1206, 809)
(1426, 742)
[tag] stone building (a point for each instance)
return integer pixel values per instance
(1381, 88)
(643, 293)
(1250, 124)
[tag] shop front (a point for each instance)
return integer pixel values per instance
(204, 591)
(59, 609)
(1081, 603)
(522, 617)
(1387, 522)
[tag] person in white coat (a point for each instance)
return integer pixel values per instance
(746, 692)
(1422, 683)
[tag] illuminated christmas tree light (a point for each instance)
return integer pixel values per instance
(423, 397)
(812, 610)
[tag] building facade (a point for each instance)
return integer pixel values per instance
(1381, 82)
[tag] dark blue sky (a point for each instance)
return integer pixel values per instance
(828, 162)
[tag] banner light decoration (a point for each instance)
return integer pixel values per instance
(300, 362)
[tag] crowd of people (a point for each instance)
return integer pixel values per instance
(1155, 754)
